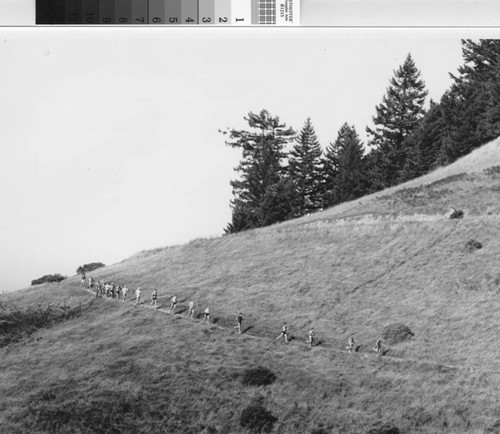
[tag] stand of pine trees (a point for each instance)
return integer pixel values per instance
(406, 141)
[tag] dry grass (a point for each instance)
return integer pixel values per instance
(391, 258)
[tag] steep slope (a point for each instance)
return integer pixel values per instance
(392, 257)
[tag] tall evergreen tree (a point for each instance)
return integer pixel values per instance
(470, 107)
(397, 116)
(344, 167)
(261, 195)
(304, 166)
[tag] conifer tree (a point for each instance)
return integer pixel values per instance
(304, 167)
(262, 194)
(396, 118)
(344, 167)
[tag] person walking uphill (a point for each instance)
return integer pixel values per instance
(173, 304)
(284, 332)
(206, 315)
(239, 320)
(154, 296)
(138, 295)
(311, 337)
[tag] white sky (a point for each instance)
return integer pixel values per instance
(109, 140)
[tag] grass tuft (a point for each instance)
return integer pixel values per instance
(396, 333)
(256, 418)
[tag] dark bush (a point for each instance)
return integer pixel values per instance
(457, 214)
(494, 170)
(320, 431)
(383, 428)
(48, 278)
(397, 332)
(17, 323)
(257, 419)
(258, 376)
(472, 245)
(82, 269)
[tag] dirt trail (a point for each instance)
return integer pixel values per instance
(320, 347)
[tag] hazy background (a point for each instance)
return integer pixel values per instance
(109, 139)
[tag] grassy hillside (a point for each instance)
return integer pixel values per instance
(393, 257)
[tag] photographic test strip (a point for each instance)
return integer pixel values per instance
(168, 12)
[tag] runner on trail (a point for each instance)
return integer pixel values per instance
(190, 309)
(311, 337)
(173, 304)
(124, 292)
(206, 315)
(239, 320)
(138, 295)
(350, 344)
(284, 332)
(154, 296)
(378, 346)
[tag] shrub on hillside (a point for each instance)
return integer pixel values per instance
(48, 278)
(457, 214)
(494, 170)
(257, 419)
(87, 268)
(472, 245)
(17, 323)
(320, 431)
(397, 332)
(383, 428)
(258, 376)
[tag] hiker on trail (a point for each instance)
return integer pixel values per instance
(138, 295)
(284, 332)
(311, 337)
(154, 296)
(190, 309)
(173, 304)
(239, 320)
(378, 346)
(124, 292)
(350, 344)
(206, 315)
(91, 282)
(82, 282)
(118, 291)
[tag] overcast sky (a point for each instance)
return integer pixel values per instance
(109, 139)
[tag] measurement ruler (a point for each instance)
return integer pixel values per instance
(168, 12)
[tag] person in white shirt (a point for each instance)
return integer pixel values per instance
(191, 309)
(137, 295)
(173, 304)
(284, 332)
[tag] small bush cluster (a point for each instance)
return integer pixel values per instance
(383, 428)
(87, 268)
(259, 376)
(457, 214)
(472, 245)
(256, 418)
(397, 332)
(494, 170)
(48, 278)
(18, 323)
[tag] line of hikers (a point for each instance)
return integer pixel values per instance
(111, 290)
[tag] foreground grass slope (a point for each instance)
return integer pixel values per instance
(391, 257)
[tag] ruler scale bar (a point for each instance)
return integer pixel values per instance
(168, 12)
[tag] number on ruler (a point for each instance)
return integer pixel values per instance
(123, 20)
(90, 18)
(156, 20)
(106, 20)
(222, 19)
(140, 19)
(189, 20)
(206, 19)
(172, 20)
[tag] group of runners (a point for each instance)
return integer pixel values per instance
(112, 290)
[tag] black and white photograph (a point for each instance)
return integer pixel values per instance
(284, 230)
